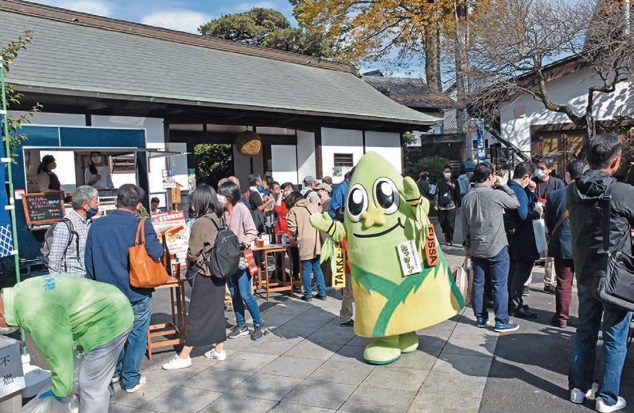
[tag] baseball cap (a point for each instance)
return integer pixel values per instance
(324, 186)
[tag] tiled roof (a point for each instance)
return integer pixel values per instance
(413, 93)
(109, 57)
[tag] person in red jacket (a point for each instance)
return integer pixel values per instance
(282, 226)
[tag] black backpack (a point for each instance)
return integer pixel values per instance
(224, 257)
(48, 241)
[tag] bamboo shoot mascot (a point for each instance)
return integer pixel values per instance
(383, 212)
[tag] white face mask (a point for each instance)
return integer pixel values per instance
(540, 173)
(222, 200)
(96, 159)
(447, 175)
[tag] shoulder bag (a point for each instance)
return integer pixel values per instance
(145, 272)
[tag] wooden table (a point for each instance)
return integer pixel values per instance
(178, 326)
(285, 284)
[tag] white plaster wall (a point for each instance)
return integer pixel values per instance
(284, 160)
(53, 119)
(388, 145)
(345, 141)
(571, 89)
(154, 138)
(306, 162)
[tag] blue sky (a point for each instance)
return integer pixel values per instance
(185, 16)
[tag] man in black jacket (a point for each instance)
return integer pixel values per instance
(559, 246)
(583, 200)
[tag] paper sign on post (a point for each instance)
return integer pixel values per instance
(408, 256)
(11, 374)
(339, 276)
(431, 251)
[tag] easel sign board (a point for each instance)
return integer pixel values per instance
(43, 208)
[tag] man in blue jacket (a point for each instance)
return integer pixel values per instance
(106, 260)
(339, 195)
(518, 224)
(559, 246)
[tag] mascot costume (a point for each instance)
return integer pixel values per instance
(400, 278)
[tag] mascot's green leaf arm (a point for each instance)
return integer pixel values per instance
(384, 210)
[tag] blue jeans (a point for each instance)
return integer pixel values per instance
(133, 352)
(615, 327)
(497, 268)
(240, 289)
(309, 266)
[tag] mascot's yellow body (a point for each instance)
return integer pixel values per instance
(383, 211)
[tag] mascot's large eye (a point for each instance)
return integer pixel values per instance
(357, 202)
(386, 195)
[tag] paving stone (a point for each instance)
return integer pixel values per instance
(246, 361)
(455, 384)
(473, 346)
(266, 386)
(342, 372)
(309, 350)
(397, 378)
(443, 403)
(182, 399)
(350, 354)
(293, 331)
(238, 403)
(331, 334)
(117, 408)
(221, 380)
(142, 396)
(418, 358)
(295, 408)
(316, 393)
(177, 377)
(272, 344)
(359, 341)
(465, 364)
(292, 367)
(367, 398)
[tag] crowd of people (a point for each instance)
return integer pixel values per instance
(498, 212)
(497, 223)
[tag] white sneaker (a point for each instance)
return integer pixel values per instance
(604, 408)
(577, 396)
(140, 384)
(115, 379)
(177, 363)
(218, 355)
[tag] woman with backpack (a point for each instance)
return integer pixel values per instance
(206, 318)
(239, 220)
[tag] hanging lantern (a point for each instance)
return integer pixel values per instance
(248, 143)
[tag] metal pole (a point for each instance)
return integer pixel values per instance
(11, 194)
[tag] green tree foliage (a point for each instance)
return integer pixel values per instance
(434, 165)
(213, 162)
(267, 28)
(9, 53)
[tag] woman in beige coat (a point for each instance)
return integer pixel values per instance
(308, 241)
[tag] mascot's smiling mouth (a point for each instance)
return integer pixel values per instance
(378, 234)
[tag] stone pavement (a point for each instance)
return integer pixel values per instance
(308, 363)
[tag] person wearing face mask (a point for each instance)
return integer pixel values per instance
(98, 172)
(518, 224)
(69, 237)
(446, 201)
(47, 180)
(281, 226)
(544, 182)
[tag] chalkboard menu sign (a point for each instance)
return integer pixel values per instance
(43, 208)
